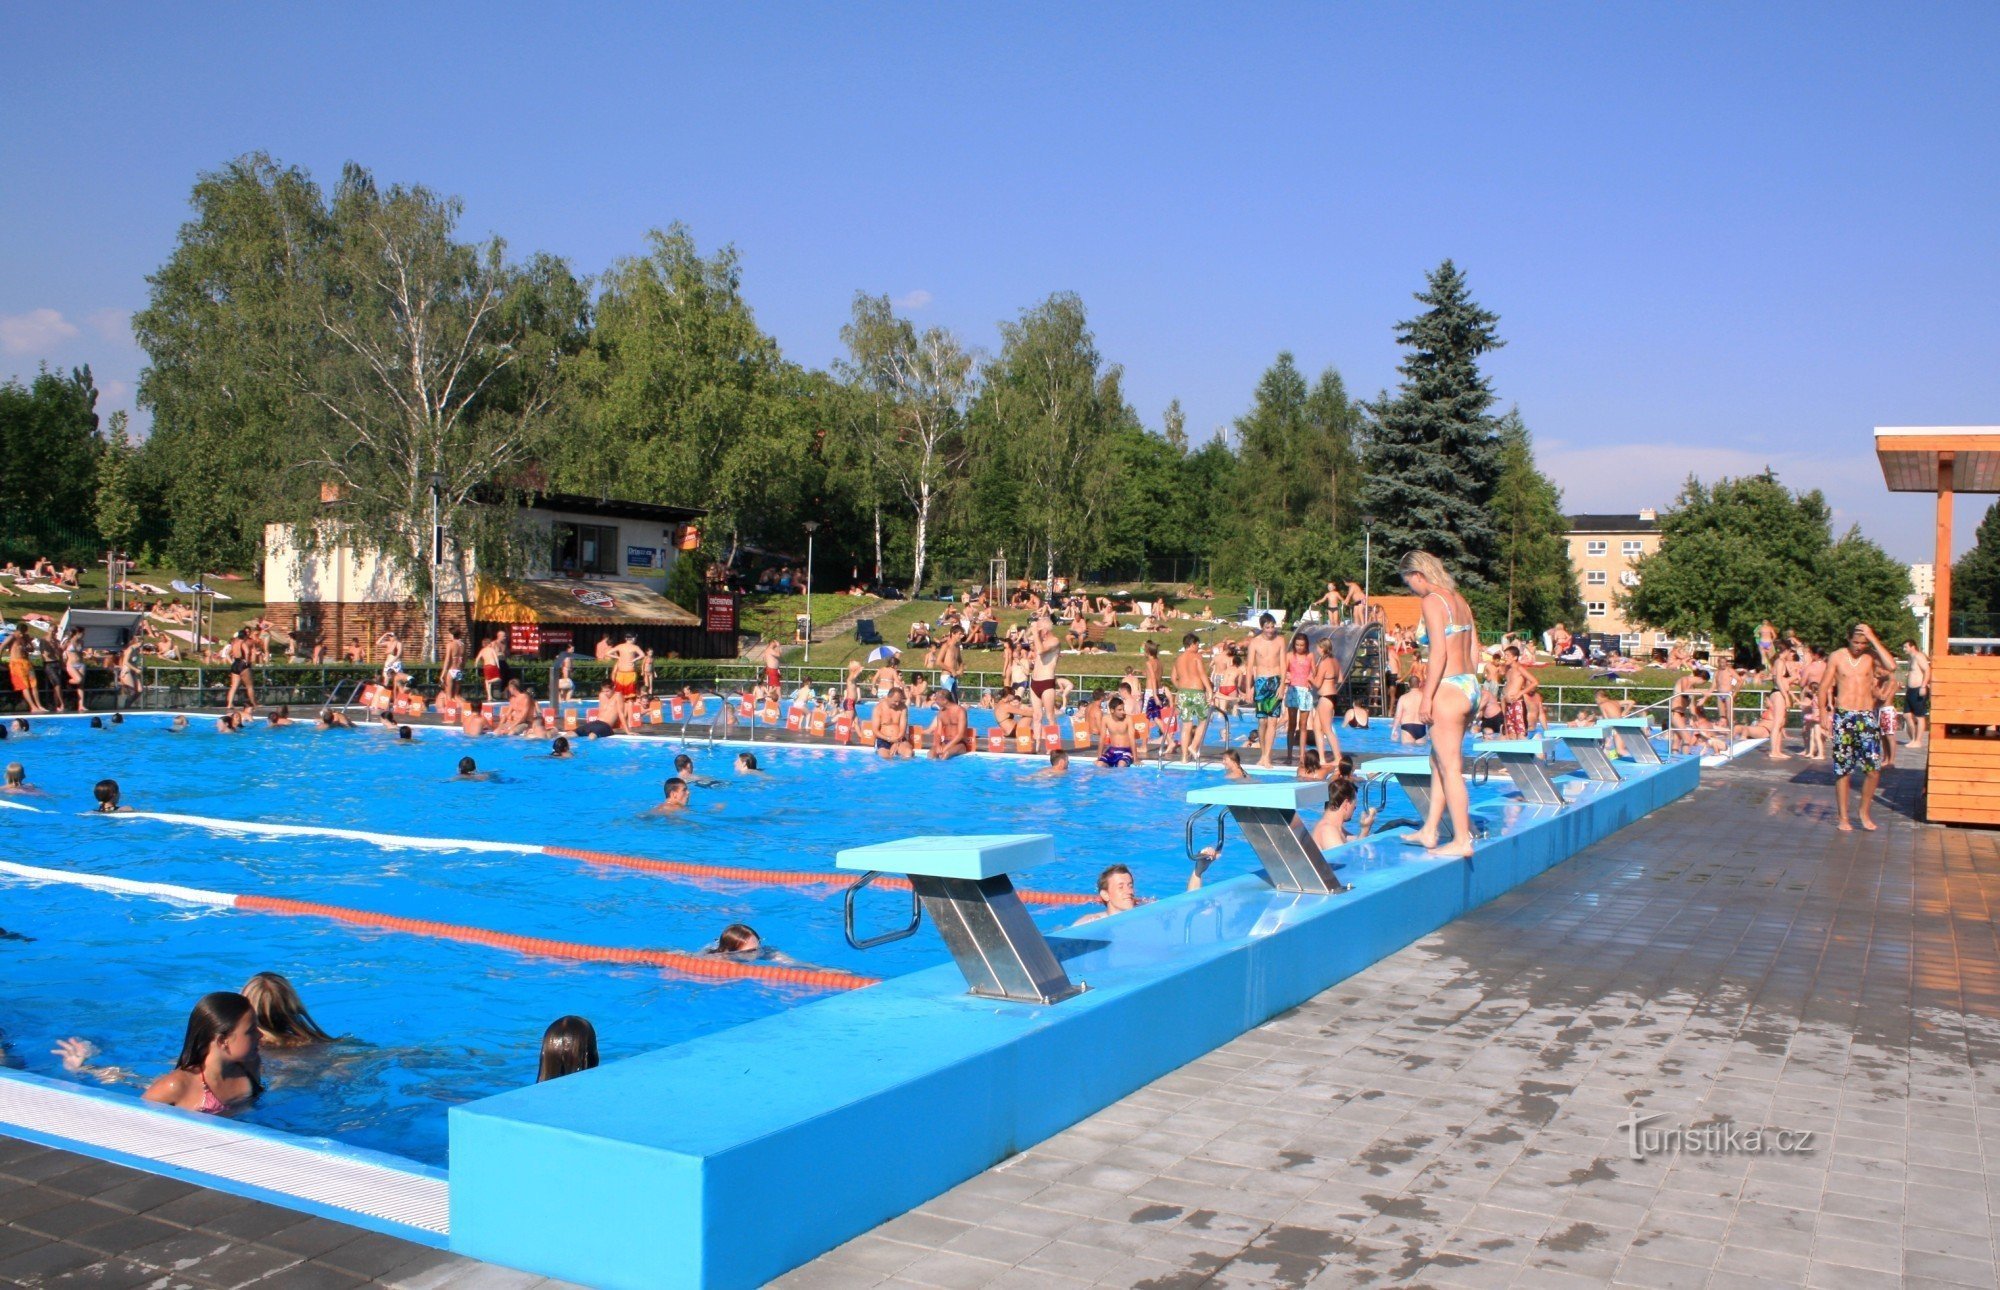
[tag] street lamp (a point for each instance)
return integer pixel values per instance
(437, 562)
(811, 527)
(1367, 558)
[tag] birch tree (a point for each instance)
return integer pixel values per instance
(918, 386)
(437, 375)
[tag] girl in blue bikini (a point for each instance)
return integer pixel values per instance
(1450, 697)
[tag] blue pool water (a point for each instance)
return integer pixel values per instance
(434, 1022)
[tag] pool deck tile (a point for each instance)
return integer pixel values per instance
(1451, 1116)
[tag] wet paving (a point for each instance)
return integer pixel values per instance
(1561, 1088)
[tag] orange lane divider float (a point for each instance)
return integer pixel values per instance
(672, 960)
(701, 965)
(781, 877)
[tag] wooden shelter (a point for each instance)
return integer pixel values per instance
(1962, 783)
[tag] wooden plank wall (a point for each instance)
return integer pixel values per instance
(1963, 783)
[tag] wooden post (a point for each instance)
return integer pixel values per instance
(1941, 570)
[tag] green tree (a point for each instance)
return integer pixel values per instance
(1293, 518)
(916, 388)
(1975, 581)
(1433, 453)
(1536, 585)
(679, 396)
(1049, 408)
(1745, 550)
(118, 500)
(49, 452)
(230, 319)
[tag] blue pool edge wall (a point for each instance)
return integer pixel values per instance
(732, 1158)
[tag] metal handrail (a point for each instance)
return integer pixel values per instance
(894, 934)
(1221, 826)
(1481, 770)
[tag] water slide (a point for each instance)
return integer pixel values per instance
(1362, 655)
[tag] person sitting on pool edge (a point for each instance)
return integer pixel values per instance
(676, 793)
(217, 1068)
(107, 797)
(892, 727)
(17, 781)
(569, 1045)
(1117, 893)
(282, 1019)
(1124, 739)
(950, 735)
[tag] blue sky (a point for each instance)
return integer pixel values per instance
(1718, 236)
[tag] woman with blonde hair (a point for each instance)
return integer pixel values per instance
(282, 1019)
(1450, 691)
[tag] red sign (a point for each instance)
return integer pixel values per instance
(593, 597)
(721, 612)
(524, 638)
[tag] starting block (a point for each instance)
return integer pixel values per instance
(1639, 740)
(962, 883)
(1586, 745)
(1522, 760)
(1268, 815)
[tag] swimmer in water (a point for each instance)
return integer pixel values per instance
(20, 726)
(107, 797)
(746, 764)
(1117, 892)
(560, 748)
(469, 769)
(1058, 766)
(332, 720)
(1342, 796)
(1232, 765)
(178, 724)
(17, 781)
(282, 716)
(569, 1045)
(218, 1066)
(403, 735)
(282, 1019)
(684, 767)
(676, 793)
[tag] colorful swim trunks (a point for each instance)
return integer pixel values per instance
(1193, 705)
(1115, 756)
(1269, 691)
(1300, 698)
(1857, 743)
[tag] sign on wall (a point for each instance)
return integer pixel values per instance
(642, 557)
(719, 612)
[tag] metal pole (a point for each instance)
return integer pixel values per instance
(437, 545)
(811, 527)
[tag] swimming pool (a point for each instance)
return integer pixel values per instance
(435, 1022)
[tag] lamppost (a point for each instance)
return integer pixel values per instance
(811, 527)
(1367, 558)
(437, 562)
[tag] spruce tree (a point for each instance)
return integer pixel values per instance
(1975, 581)
(1434, 448)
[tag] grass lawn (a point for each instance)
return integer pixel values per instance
(245, 604)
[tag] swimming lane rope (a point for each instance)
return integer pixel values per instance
(700, 965)
(643, 864)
